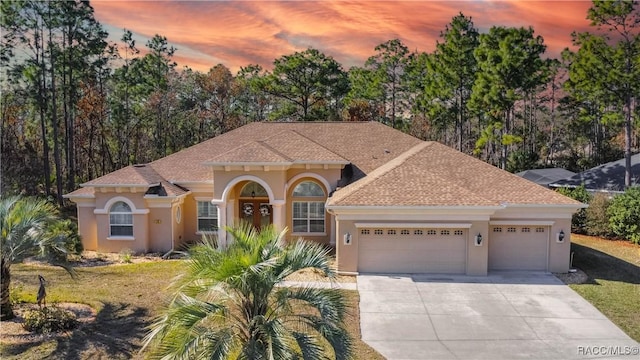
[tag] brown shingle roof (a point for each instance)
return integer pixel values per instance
(134, 175)
(252, 152)
(432, 174)
(401, 170)
(367, 145)
(300, 149)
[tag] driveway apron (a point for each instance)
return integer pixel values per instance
(509, 315)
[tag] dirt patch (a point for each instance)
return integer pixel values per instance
(308, 275)
(12, 332)
(578, 277)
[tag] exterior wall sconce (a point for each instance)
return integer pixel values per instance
(347, 239)
(253, 194)
(478, 240)
(560, 237)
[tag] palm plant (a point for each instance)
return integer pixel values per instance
(228, 304)
(27, 228)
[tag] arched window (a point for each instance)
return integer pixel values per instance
(253, 189)
(308, 211)
(120, 219)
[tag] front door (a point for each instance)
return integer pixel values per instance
(256, 212)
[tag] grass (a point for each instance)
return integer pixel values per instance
(126, 298)
(613, 286)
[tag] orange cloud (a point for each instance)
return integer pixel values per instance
(238, 33)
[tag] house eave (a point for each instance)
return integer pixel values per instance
(547, 206)
(350, 209)
(120, 185)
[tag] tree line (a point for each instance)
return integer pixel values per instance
(76, 106)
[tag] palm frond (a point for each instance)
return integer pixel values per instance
(310, 346)
(227, 303)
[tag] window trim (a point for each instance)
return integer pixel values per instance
(198, 217)
(309, 219)
(308, 200)
(111, 225)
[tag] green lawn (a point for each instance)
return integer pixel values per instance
(613, 287)
(126, 298)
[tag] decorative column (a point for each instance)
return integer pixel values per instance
(334, 230)
(221, 207)
(279, 219)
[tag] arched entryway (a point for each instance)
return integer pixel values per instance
(253, 205)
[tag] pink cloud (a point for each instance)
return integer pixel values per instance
(238, 33)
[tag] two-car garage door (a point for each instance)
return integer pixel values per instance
(399, 250)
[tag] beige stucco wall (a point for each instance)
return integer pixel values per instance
(160, 229)
(346, 255)
(478, 256)
(178, 227)
(560, 253)
(190, 217)
(139, 243)
(87, 228)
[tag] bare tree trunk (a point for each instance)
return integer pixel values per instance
(627, 142)
(6, 312)
(54, 120)
(42, 103)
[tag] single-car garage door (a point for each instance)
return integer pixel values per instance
(397, 250)
(518, 247)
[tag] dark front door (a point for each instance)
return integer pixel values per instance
(257, 212)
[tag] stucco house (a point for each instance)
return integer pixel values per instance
(387, 201)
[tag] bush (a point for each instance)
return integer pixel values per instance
(579, 219)
(126, 256)
(597, 219)
(624, 215)
(49, 319)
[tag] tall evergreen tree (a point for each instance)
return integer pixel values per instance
(510, 66)
(452, 72)
(606, 65)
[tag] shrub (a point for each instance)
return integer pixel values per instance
(597, 219)
(624, 215)
(579, 219)
(49, 319)
(126, 256)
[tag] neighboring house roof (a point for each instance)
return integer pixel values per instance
(432, 174)
(545, 176)
(607, 177)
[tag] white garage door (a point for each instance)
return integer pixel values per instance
(518, 247)
(412, 250)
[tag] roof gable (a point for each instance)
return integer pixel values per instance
(366, 145)
(436, 175)
(286, 146)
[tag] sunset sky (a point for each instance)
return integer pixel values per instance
(238, 33)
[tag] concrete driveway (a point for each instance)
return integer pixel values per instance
(502, 316)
